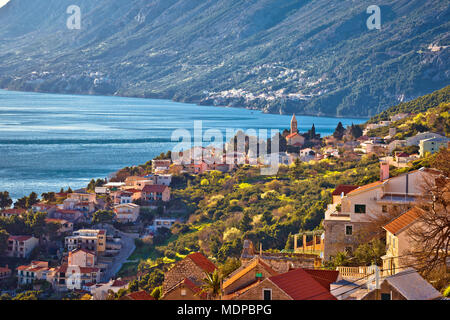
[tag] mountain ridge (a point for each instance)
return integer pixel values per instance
(233, 53)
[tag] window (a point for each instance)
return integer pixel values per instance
(183, 292)
(259, 275)
(384, 208)
(360, 208)
(385, 296)
(348, 230)
(267, 293)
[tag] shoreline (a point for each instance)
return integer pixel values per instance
(188, 102)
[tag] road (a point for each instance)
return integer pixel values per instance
(127, 249)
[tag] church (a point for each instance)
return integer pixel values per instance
(294, 138)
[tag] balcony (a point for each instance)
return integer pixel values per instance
(333, 214)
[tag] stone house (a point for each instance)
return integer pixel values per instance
(193, 267)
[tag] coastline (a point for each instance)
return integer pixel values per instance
(188, 101)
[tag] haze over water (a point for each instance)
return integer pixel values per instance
(49, 141)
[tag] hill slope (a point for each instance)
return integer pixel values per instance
(232, 52)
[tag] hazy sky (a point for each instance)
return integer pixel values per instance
(3, 2)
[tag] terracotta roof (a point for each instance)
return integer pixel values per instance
(139, 295)
(195, 288)
(154, 188)
(19, 238)
(248, 268)
(68, 211)
(404, 220)
(83, 250)
(118, 283)
(292, 135)
(343, 188)
(14, 211)
(324, 277)
(202, 262)
(4, 269)
(300, 285)
(56, 220)
(368, 186)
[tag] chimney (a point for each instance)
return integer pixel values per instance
(260, 249)
(384, 171)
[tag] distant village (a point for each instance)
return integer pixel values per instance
(96, 229)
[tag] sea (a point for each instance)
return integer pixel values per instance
(53, 141)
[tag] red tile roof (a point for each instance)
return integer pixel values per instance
(343, 188)
(19, 238)
(368, 186)
(195, 288)
(202, 262)
(324, 277)
(292, 135)
(300, 285)
(139, 295)
(154, 188)
(14, 211)
(404, 220)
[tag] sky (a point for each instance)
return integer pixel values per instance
(3, 2)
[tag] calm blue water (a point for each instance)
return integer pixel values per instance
(49, 141)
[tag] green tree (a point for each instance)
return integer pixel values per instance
(32, 199)
(102, 216)
(339, 131)
(245, 223)
(4, 235)
(157, 293)
(212, 284)
(5, 200)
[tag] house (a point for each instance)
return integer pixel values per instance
(72, 216)
(196, 168)
(101, 290)
(341, 191)
(154, 193)
(163, 179)
(89, 239)
(43, 207)
(37, 270)
(186, 289)
(65, 226)
(7, 213)
(162, 223)
(361, 206)
(253, 271)
(138, 182)
(297, 284)
(194, 267)
(21, 246)
(139, 295)
(399, 116)
(82, 258)
(399, 244)
(405, 285)
(128, 212)
(396, 144)
(415, 140)
(5, 273)
(432, 145)
(161, 165)
(72, 277)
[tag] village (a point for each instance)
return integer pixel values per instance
(87, 235)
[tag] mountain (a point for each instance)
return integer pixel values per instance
(415, 106)
(305, 56)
